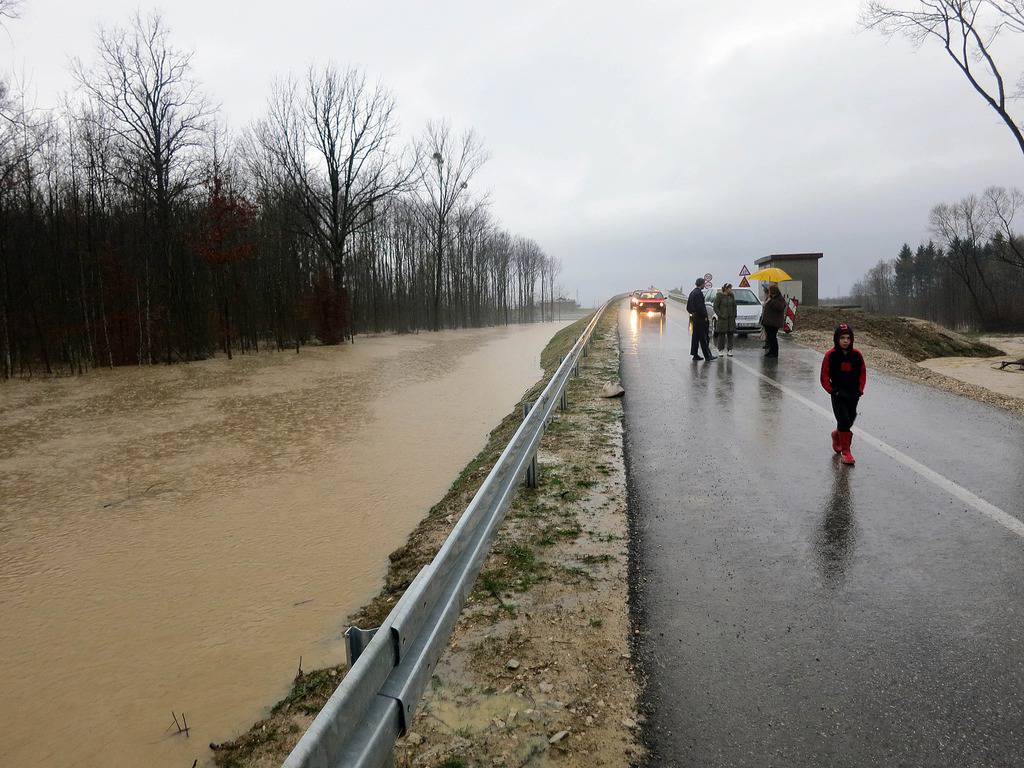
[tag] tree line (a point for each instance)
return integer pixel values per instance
(972, 278)
(135, 228)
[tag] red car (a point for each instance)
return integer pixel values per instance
(651, 301)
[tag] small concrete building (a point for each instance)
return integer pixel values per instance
(802, 267)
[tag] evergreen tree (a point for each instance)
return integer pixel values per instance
(903, 282)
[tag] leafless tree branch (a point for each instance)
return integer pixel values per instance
(968, 31)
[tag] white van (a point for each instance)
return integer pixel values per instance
(748, 310)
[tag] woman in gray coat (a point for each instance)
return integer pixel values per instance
(725, 318)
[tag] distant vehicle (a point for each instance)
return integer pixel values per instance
(748, 310)
(651, 301)
(634, 298)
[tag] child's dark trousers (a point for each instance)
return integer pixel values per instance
(844, 406)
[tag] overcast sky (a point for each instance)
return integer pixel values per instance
(641, 143)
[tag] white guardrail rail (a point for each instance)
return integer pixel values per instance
(391, 665)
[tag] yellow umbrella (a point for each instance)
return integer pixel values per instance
(771, 274)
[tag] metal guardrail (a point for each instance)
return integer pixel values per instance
(391, 665)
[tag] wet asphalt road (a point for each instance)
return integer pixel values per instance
(795, 612)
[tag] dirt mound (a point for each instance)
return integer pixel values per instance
(915, 339)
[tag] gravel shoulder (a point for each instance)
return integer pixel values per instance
(538, 671)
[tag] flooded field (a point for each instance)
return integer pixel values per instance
(174, 539)
(983, 371)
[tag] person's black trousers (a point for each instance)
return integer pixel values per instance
(772, 336)
(700, 336)
(844, 406)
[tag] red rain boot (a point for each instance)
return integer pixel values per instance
(837, 443)
(847, 438)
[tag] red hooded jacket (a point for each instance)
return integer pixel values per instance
(843, 372)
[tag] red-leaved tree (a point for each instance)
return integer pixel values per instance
(225, 240)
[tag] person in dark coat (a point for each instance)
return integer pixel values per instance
(843, 375)
(773, 317)
(725, 311)
(699, 317)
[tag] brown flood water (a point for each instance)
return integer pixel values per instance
(176, 538)
(983, 371)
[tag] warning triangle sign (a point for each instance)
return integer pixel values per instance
(744, 283)
(744, 272)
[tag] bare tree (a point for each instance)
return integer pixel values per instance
(1002, 206)
(157, 109)
(10, 9)
(333, 137)
(554, 268)
(965, 226)
(968, 30)
(160, 120)
(446, 166)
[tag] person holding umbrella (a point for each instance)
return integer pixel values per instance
(699, 317)
(773, 317)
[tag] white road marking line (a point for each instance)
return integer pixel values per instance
(988, 509)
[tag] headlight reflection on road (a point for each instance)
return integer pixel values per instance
(661, 321)
(638, 317)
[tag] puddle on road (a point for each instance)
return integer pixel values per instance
(174, 539)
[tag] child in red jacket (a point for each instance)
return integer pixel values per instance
(843, 375)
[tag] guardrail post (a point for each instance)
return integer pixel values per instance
(531, 469)
(356, 640)
(563, 401)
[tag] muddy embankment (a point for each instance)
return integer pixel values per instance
(538, 670)
(911, 348)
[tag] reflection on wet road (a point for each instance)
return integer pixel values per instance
(796, 612)
(835, 541)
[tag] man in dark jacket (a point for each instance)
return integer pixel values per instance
(843, 376)
(699, 317)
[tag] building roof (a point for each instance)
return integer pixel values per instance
(788, 257)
